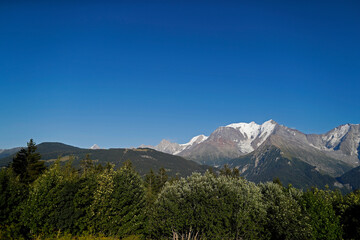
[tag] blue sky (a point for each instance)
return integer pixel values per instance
(127, 73)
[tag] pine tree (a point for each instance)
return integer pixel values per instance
(87, 164)
(160, 180)
(27, 165)
(149, 183)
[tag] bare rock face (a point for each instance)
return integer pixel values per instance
(168, 147)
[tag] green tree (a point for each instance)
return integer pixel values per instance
(350, 215)
(119, 202)
(318, 205)
(12, 195)
(277, 181)
(209, 207)
(50, 207)
(285, 219)
(27, 165)
(160, 180)
(149, 183)
(87, 164)
(227, 171)
(83, 199)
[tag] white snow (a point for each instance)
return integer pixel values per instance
(252, 131)
(197, 139)
(194, 141)
(94, 147)
(335, 136)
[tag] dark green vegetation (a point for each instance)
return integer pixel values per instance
(27, 165)
(143, 159)
(96, 200)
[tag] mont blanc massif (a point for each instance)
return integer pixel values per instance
(260, 152)
(264, 152)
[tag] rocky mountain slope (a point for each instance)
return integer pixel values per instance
(268, 162)
(333, 153)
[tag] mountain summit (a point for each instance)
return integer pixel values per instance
(175, 148)
(225, 142)
(95, 147)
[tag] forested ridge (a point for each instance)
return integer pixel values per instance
(97, 201)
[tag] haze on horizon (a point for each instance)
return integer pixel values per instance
(126, 74)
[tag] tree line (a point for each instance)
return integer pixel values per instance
(93, 200)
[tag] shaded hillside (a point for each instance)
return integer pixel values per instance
(268, 163)
(352, 178)
(8, 152)
(143, 159)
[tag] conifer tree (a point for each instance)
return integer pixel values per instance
(149, 183)
(160, 180)
(27, 165)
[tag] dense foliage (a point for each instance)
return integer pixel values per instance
(101, 201)
(210, 207)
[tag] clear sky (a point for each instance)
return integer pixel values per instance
(130, 73)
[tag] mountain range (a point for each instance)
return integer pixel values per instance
(143, 160)
(260, 151)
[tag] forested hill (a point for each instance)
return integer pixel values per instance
(143, 159)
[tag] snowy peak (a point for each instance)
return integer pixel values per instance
(195, 140)
(253, 130)
(253, 134)
(95, 147)
(174, 148)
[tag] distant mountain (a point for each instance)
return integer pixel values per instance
(143, 159)
(8, 152)
(333, 153)
(175, 148)
(95, 146)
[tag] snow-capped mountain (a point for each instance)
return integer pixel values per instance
(94, 147)
(333, 152)
(252, 134)
(174, 148)
(228, 141)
